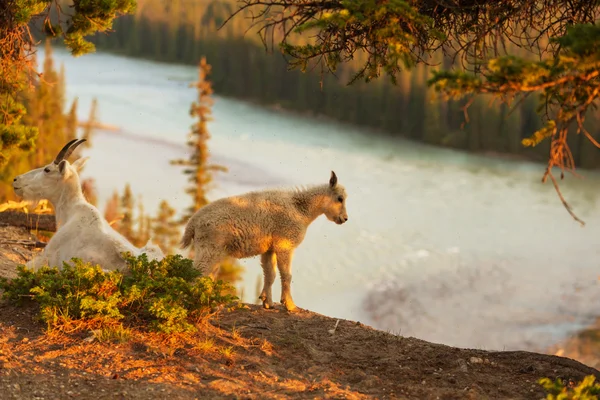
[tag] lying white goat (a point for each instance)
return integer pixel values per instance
(81, 232)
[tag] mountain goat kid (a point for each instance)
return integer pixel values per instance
(81, 231)
(271, 223)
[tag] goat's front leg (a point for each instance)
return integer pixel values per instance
(284, 264)
(267, 262)
(37, 262)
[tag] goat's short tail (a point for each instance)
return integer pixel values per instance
(188, 236)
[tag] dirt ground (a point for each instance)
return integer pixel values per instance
(12, 249)
(255, 353)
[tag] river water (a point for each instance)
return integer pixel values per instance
(441, 245)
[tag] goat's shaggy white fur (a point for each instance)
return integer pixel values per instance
(271, 223)
(81, 232)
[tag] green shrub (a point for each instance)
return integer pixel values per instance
(586, 390)
(168, 295)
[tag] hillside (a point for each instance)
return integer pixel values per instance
(255, 353)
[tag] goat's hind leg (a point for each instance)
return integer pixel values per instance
(268, 264)
(207, 260)
(284, 264)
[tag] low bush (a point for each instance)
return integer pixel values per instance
(167, 295)
(587, 389)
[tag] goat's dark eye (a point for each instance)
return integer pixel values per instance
(341, 199)
(46, 170)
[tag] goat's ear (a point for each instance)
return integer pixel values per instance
(62, 167)
(80, 163)
(333, 180)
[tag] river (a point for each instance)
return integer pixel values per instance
(441, 245)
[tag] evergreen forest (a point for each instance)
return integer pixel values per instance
(181, 32)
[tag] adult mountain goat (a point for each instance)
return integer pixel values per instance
(81, 231)
(271, 223)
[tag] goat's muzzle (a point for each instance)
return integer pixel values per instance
(341, 219)
(17, 189)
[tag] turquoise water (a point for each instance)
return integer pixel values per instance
(441, 245)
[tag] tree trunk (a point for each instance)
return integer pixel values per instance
(44, 222)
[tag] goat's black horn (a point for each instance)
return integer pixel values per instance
(63, 151)
(73, 147)
(67, 150)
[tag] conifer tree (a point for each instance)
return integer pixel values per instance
(229, 48)
(127, 206)
(112, 211)
(91, 123)
(17, 66)
(88, 187)
(88, 127)
(144, 225)
(46, 105)
(165, 228)
(197, 166)
(72, 122)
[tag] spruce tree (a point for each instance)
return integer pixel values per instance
(197, 165)
(112, 211)
(127, 206)
(88, 186)
(72, 122)
(165, 228)
(88, 130)
(17, 65)
(198, 168)
(143, 225)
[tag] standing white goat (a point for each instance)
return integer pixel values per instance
(81, 231)
(271, 223)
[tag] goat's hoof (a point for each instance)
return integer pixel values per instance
(289, 305)
(268, 305)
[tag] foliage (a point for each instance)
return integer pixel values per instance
(44, 104)
(395, 32)
(17, 64)
(144, 228)
(382, 27)
(197, 165)
(199, 169)
(112, 211)
(409, 109)
(127, 206)
(168, 295)
(231, 271)
(411, 31)
(587, 389)
(165, 229)
(138, 229)
(88, 187)
(569, 85)
(88, 129)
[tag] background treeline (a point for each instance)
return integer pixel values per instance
(183, 30)
(47, 109)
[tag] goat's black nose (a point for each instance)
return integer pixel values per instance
(14, 180)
